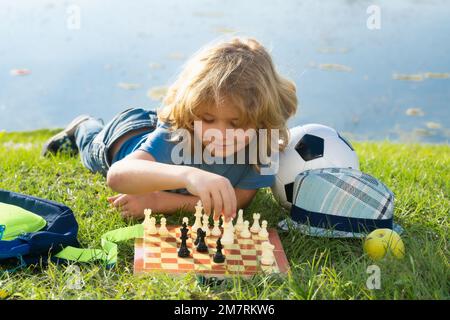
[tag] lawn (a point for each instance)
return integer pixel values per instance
(419, 176)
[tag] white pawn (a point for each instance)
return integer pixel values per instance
(205, 226)
(151, 229)
(216, 230)
(267, 257)
(255, 227)
(240, 221)
(229, 224)
(198, 216)
(185, 220)
(263, 233)
(147, 214)
(228, 234)
(245, 233)
(162, 231)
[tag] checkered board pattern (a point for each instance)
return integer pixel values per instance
(154, 253)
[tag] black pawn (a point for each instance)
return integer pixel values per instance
(218, 256)
(184, 252)
(201, 246)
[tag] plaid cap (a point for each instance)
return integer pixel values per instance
(340, 202)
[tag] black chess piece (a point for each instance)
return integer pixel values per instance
(218, 256)
(184, 252)
(197, 238)
(201, 246)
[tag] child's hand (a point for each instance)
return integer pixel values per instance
(214, 190)
(132, 206)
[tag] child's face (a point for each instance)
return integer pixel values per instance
(223, 122)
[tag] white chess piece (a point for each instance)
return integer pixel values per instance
(263, 233)
(240, 221)
(147, 214)
(245, 233)
(216, 230)
(185, 220)
(162, 231)
(228, 234)
(205, 226)
(256, 227)
(267, 257)
(151, 229)
(198, 216)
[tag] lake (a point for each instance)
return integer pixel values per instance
(374, 74)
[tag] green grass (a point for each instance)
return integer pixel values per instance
(419, 175)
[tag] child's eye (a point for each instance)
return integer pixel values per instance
(208, 120)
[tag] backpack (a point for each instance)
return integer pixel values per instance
(34, 228)
(340, 202)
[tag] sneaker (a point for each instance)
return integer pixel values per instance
(64, 141)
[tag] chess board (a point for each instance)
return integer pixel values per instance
(154, 253)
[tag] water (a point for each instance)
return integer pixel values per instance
(124, 48)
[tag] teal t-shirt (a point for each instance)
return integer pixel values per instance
(158, 144)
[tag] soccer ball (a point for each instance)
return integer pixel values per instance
(312, 146)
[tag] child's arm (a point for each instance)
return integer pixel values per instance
(139, 173)
(132, 206)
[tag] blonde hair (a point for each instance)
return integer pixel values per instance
(241, 71)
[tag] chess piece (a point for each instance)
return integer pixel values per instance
(151, 229)
(185, 221)
(184, 252)
(255, 227)
(267, 257)
(201, 246)
(218, 256)
(240, 221)
(228, 234)
(216, 230)
(197, 239)
(205, 226)
(162, 231)
(245, 233)
(263, 233)
(231, 225)
(147, 214)
(198, 216)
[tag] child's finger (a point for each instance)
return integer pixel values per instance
(113, 198)
(121, 201)
(218, 202)
(125, 214)
(233, 200)
(216, 216)
(226, 202)
(206, 201)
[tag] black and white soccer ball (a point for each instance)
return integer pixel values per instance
(311, 146)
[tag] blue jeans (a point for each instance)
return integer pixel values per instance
(94, 139)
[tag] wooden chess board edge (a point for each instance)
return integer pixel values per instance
(280, 255)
